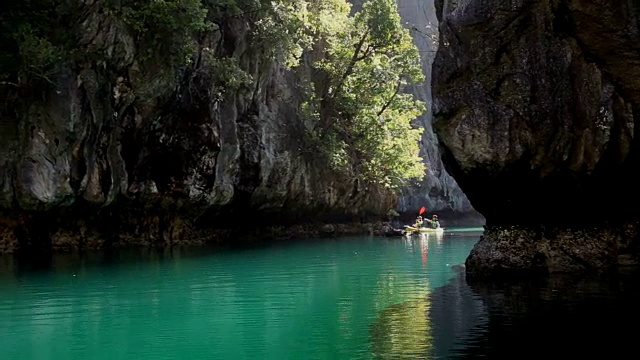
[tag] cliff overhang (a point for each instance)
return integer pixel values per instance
(535, 106)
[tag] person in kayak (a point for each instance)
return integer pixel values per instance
(418, 223)
(434, 223)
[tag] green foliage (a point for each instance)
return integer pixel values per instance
(364, 117)
(223, 74)
(39, 57)
(39, 36)
(165, 27)
(282, 35)
(42, 34)
(32, 41)
(360, 114)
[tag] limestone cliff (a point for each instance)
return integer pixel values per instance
(118, 150)
(534, 104)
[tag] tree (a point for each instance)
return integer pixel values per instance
(364, 114)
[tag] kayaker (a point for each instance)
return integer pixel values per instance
(418, 223)
(434, 223)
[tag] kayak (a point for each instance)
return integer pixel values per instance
(423, 230)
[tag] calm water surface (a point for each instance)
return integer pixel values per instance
(349, 298)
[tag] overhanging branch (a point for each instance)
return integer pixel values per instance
(388, 103)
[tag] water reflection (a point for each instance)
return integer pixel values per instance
(455, 312)
(403, 331)
(559, 315)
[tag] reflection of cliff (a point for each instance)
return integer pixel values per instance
(455, 310)
(557, 316)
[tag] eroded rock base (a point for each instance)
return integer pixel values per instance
(505, 250)
(28, 234)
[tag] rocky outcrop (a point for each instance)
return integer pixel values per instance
(123, 151)
(505, 249)
(534, 105)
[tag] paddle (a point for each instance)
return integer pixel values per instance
(422, 210)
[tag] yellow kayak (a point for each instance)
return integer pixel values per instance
(411, 229)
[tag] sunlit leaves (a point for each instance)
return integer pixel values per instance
(381, 19)
(370, 58)
(284, 34)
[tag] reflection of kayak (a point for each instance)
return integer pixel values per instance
(411, 229)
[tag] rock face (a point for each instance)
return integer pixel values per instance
(121, 151)
(534, 105)
(439, 192)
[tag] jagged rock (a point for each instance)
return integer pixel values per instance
(328, 230)
(386, 229)
(503, 249)
(534, 106)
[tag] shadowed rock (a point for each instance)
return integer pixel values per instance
(534, 105)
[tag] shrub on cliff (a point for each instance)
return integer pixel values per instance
(165, 27)
(33, 41)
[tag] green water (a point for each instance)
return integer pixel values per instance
(345, 298)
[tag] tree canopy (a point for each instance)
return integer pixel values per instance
(364, 117)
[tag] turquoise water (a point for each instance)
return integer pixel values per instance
(346, 298)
